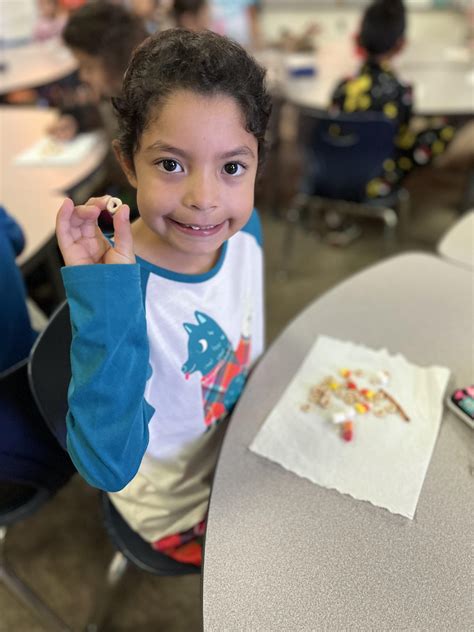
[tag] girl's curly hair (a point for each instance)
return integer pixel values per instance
(205, 63)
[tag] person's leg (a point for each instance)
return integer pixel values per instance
(184, 547)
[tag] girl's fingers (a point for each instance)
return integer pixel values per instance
(85, 213)
(80, 239)
(100, 202)
(123, 240)
(63, 222)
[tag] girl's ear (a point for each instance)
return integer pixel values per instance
(126, 164)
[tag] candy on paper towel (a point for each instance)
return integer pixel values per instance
(348, 431)
(341, 416)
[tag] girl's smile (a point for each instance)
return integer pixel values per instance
(194, 172)
(197, 230)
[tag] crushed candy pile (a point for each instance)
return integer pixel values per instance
(353, 396)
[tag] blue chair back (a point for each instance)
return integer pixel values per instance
(344, 152)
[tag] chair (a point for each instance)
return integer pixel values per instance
(50, 372)
(32, 469)
(343, 153)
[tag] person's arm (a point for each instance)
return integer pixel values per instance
(405, 104)
(107, 421)
(256, 39)
(12, 232)
(17, 334)
(75, 120)
(338, 98)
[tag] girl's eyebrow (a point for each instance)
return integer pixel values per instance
(242, 150)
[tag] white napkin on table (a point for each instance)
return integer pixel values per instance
(387, 460)
(48, 152)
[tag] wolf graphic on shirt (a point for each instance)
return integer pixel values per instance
(224, 370)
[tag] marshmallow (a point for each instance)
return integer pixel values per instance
(113, 205)
(342, 416)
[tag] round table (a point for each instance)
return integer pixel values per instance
(35, 64)
(457, 245)
(284, 554)
(32, 194)
(443, 84)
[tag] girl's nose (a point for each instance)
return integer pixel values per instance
(201, 192)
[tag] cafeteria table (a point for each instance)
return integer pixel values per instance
(457, 245)
(34, 64)
(282, 553)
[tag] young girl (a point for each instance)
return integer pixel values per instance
(168, 319)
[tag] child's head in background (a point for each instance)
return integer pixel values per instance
(48, 9)
(382, 31)
(102, 37)
(194, 15)
(192, 116)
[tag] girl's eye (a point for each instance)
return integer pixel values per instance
(234, 168)
(169, 165)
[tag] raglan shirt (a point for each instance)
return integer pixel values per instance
(158, 362)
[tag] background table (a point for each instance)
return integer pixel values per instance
(441, 85)
(284, 554)
(35, 64)
(32, 194)
(457, 246)
(435, 59)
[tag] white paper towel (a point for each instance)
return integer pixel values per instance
(48, 152)
(387, 460)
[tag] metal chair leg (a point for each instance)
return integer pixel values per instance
(390, 221)
(115, 572)
(403, 212)
(25, 594)
(292, 218)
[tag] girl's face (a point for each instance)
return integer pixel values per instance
(195, 175)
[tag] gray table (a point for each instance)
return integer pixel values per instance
(285, 554)
(457, 245)
(441, 86)
(35, 64)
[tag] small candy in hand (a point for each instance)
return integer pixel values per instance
(113, 205)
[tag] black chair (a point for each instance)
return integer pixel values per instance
(50, 373)
(341, 155)
(33, 467)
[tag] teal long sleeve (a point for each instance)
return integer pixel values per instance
(107, 421)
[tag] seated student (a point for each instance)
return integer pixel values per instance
(238, 19)
(193, 15)
(168, 318)
(150, 12)
(29, 454)
(376, 88)
(101, 36)
(51, 20)
(17, 333)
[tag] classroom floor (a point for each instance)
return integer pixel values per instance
(63, 550)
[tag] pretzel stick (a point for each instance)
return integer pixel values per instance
(396, 404)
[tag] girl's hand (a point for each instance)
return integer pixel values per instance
(80, 239)
(64, 128)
